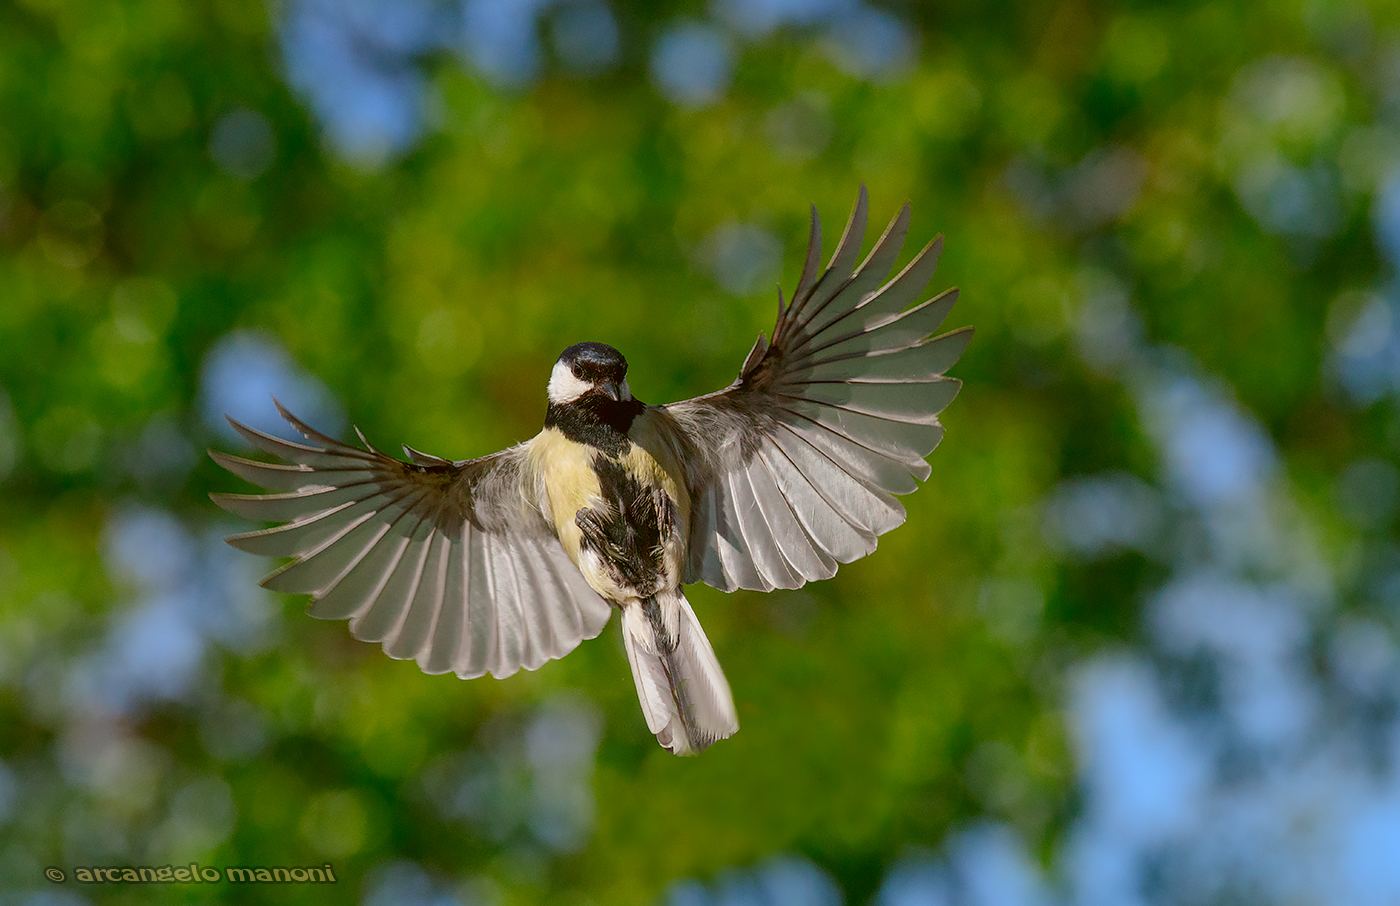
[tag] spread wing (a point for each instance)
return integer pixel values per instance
(444, 562)
(800, 458)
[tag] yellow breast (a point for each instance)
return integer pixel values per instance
(656, 463)
(568, 482)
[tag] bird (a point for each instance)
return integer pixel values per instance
(509, 560)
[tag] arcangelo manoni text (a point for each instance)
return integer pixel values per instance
(194, 874)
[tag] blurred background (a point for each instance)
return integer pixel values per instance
(1135, 645)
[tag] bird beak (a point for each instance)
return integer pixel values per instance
(610, 390)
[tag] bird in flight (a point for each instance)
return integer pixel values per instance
(507, 561)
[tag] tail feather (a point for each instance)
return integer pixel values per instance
(684, 695)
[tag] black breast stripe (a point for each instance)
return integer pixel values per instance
(595, 420)
(627, 532)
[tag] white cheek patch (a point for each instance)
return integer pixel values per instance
(565, 386)
(625, 392)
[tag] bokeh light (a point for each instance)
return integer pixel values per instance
(1135, 646)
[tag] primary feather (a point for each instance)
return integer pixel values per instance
(805, 450)
(441, 562)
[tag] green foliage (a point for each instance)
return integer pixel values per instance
(916, 691)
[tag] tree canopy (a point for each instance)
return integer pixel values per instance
(1134, 644)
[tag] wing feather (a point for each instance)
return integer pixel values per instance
(443, 562)
(317, 458)
(562, 623)
(308, 534)
(839, 539)
(739, 568)
(420, 613)
(439, 653)
(509, 641)
(295, 505)
(703, 561)
(796, 546)
(382, 618)
(539, 626)
(481, 617)
(883, 471)
(873, 442)
(921, 363)
(365, 580)
(757, 537)
(808, 303)
(281, 477)
(811, 266)
(859, 499)
(800, 458)
(913, 403)
(315, 573)
(879, 332)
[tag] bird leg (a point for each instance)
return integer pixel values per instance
(594, 526)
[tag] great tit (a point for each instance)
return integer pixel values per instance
(489, 565)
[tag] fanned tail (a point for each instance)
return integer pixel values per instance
(684, 695)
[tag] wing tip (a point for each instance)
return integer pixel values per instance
(221, 459)
(933, 250)
(238, 426)
(221, 498)
(424, 460)
(236, 541)
(306, 430)
(283, 411)
(848, 246)
(811, 262)
(755, 356)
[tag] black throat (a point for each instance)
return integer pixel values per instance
(596, 420)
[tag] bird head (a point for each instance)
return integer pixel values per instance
(589, 368)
